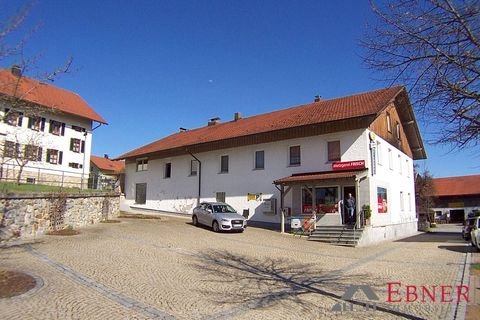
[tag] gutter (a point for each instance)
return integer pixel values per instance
(199, 177)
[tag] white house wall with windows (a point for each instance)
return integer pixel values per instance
(45, 131)
(296, 160)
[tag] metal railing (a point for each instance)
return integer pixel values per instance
(36, 179)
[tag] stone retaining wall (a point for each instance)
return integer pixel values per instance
(31, 215)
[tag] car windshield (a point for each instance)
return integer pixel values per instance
(219, 208)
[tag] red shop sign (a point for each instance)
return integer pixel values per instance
(349, 165)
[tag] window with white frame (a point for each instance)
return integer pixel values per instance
(142, 164)
(33, 153)
(397, 130)
(193, 167)
(54, 156)
(259, 160)
(57, 128)
(333, 151)
(224, 164)
(402, 201)
(168, 170)
(294, 156)
(390, 159)
(389, 123)
(36, 123)
(379, 153)
(77, 145)
(400, 164)
(13, 118)
(11, 149)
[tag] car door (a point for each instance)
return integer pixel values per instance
(201, 213)
(209, 215)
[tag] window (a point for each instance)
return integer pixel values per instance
(57, 128)
(140, 193)
(379, 153)
(400, 164)
(397, 130)
(142, 164)
(224, 164)
(220, 196)
(294, 156)
(193, 167)
(168, 170)
(36, 123)
(33, 153)
(407, 166)
(79, 129)
(31, 180)
(409, 199)
(334, 151)
(77, 145)
(326, 199)
(75, 165)
(402, 203)
(54, 156)
(389, 123)
(13, 118)
(259, 160)
(390, 159)
(11, 149)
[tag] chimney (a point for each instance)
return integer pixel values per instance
(183, 129)
(106, 156)
(16, 70)
(237, 116)
(213, 121)
(317, 99)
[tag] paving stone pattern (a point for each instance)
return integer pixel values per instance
(168, 269)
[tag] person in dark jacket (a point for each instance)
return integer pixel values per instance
(350, 206)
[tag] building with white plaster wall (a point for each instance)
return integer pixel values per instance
(306, 158)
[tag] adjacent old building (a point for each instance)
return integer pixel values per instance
(45, 132)
(106, 174)
(297, 161)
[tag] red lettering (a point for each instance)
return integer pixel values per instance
(446, 293)
(411, 291)
(464, 294)
(391, 291)
(428, 293)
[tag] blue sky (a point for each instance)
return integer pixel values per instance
(150, 67)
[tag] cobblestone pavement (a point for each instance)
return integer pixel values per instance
(168, 269)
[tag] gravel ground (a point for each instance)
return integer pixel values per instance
(168, 269)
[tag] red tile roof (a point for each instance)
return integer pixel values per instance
(315, 176)
(359, 105)
(46, 95)
(104, 164)
(456, 186)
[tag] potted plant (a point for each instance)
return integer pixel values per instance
(367, 213)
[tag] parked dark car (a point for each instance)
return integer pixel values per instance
(219, 216)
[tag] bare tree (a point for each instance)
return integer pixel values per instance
(433, 47)
(424, 190)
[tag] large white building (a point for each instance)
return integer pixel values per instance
(301, 159)
(46, 132)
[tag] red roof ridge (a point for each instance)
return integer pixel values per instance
(347, 107)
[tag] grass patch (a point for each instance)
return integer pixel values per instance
(6, 187)
(475, 266)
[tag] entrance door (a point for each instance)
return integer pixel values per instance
(141, 193)
(346, 191)
(457, 215)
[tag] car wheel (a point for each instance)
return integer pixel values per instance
(195, 221)
(215, 226)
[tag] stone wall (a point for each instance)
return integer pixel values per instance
(31, 215)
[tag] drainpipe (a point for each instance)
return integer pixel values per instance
(199, 177)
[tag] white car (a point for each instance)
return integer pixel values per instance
(475, 233)
(219, 216)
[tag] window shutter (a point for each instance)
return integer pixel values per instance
(20, 118)
(42, 127)
(30, 122)
(63, 129)
(71, 144)
(50, 127)
(39, 155)
(83, 147)
(48, 155)
(60, 156)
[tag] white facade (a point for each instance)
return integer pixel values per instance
(73, 164)
(178, 193)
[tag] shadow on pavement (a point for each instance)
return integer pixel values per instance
(450, 237)
(462, 249)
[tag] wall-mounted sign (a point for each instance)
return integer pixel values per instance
(349, 165)
(254, 196)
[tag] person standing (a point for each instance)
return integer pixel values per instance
(350, 205)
